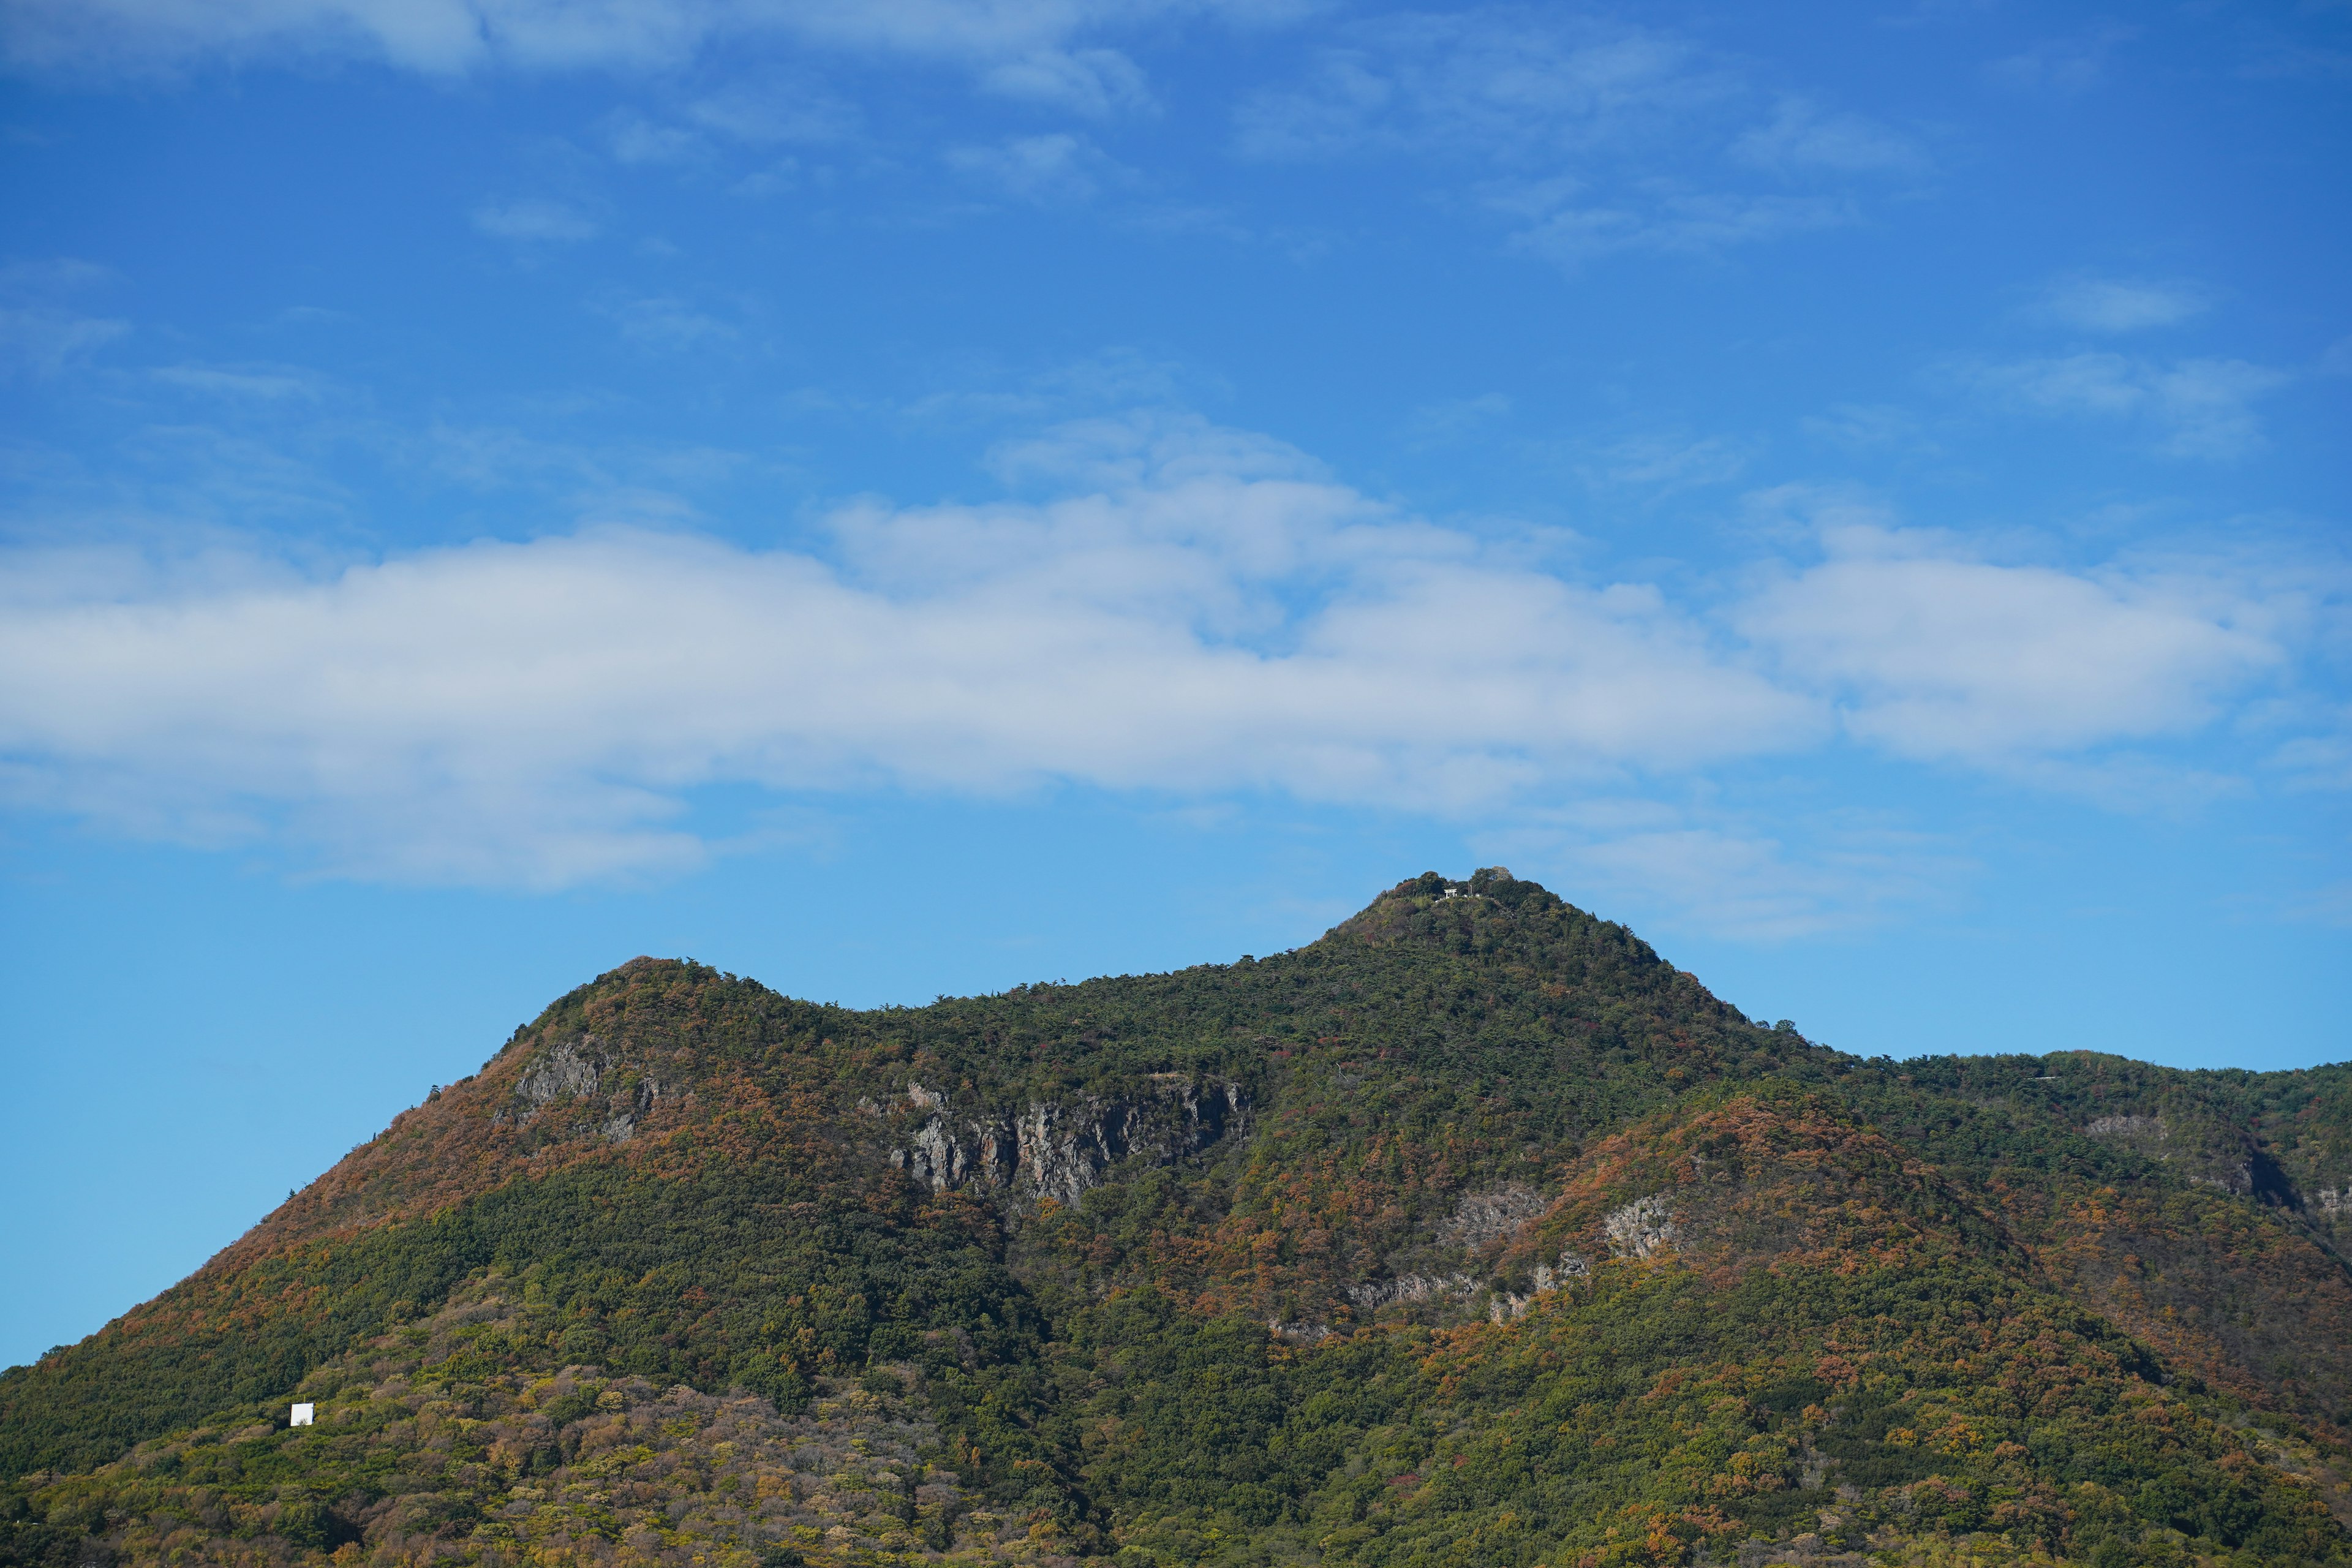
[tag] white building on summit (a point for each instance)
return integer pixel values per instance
(304, 1414)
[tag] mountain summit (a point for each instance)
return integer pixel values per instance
(1472, 1232)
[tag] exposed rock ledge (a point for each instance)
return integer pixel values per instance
(2127, 1127)
(1480, 1218)
(1050, 1149)
(1374, 1294)
(1642, 1228)
(575, 1069)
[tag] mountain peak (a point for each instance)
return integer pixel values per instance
(1472, 1220)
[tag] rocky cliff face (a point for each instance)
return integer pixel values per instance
(581, 1068)
(1050, 1149)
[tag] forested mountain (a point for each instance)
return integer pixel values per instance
(1473, 1233)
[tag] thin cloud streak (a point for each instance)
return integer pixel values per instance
(534, 220)
(1715, 872)
(1595, 137)
(2196, 407)
(1023, 49)
(2114, 305)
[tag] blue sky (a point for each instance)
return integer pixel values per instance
(915, 497)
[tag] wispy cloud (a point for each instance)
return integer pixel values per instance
(43, 340)
(1485, 84)
(772, 110)
(665, 323)
(1056, 167)
(637, 140)
(2321, 761)
(2071, 64)
(1454, 419)
(265, 382)
(1801, 137)
(42, 330)
(1096, 82)
(1863, 426)
(535, 220)
(1670, 222)
(2095, 304)
(1594, 135)
(2194, 407)
(1709, 870)
(1667, 462)
(1041, 50)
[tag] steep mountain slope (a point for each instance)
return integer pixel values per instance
(1471, 1232)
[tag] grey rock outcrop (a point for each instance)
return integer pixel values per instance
(1055, 1150)
(1504, 1305)
(1480, 1218)
(1643, 1228)
(2127, 1127)
(1571, 1267)
(570, 1068)
(576, 1070)
(1409, 1288)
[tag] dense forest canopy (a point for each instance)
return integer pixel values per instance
(1474, 1233)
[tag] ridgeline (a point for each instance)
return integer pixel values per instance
(1470, 1234)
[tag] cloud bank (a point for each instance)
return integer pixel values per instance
(1940, 658)
(1195, 612)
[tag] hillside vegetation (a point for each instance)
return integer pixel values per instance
(1470, 1234)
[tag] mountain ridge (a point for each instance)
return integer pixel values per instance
(1353, 1187)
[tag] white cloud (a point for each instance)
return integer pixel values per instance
(1935, 655)
(2095, 304)
(1183, 609)
(1212, 613)
(2198, 407)
(534, 220)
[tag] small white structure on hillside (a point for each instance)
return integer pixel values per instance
(304, 1414)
